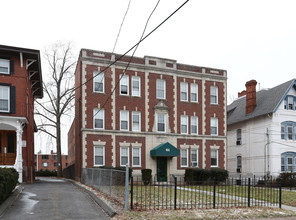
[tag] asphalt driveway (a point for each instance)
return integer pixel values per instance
(50, 198)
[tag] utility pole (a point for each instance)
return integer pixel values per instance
(267, 146)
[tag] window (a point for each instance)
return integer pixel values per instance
(45, 157)
(288, 129)
(184, 157)
(99, 117)
(4, 66)
(124, 158)
(194, 157)
(184, 91)
(99, 81)
(99, 155)
(161, 122)
(160, 89)
(239, 164)
(136, 124)
(55, 157)
(214, 158)
(288, 161)
(238, 136)
(214, 95)
(194, 125)
(136, 157)
(290, 103)
(124, 84)
(184, 124)
(136, 81)
(55, 164)
(124, 120)
(194, 92)
(45, 164)
(214, 126)
(4, 98)
(290, 132)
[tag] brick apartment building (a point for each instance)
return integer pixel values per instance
(49, 161)
(20, 85)
(163, 115)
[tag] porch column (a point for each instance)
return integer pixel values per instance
(19, 157)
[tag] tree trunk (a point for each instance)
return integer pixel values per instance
(59, 151)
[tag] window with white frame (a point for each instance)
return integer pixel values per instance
(161, 122)
(160, 89)
(99, 81)
(214, 95)
(124, 120)
(136, 81)
(194, 125)
(99, 155)
(124, 156)
(193, 92)
(99, 118)
(124, 84)
(194, 157)
(184, 91)
(4, 98)
(214, 158)
(184, 157)
(288, 162)
(214, 126)
(136, 157)
(136, 123)
(4, 66)
(184, 124)
(45, 164)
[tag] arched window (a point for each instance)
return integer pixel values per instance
(288, 130)
(239, 164)
(288, 162)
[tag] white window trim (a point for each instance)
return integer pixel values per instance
(139, 157)
(121, 156)
(8, 72)
(164, 87)
(182, 157)
(8, 98)
(43, 163)
(165, 122)
(94, 118)
(99, 165)
(124, 111)
(195, 85)
(185, 117)
(216, 119)
(216, 89)
(136, 113)
(121, 83)
(136, 78)
(102, 74)
(186, 90)
(196, 150)
(217, 154)
(196, 120)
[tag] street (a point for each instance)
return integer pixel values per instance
(50, 198)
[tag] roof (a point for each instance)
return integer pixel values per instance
(165, 150)
(267, 101)
(28, 54)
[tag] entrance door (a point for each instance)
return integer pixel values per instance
(161, 169)
(7, 147)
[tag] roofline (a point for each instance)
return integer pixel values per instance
(247, 119)
(292, 84)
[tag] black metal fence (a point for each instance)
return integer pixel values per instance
(178, 194)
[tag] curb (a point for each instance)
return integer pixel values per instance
(11, 199)
(100, 202)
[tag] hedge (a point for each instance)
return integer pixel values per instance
(218, 174)
(46, 173)
(8, 181)
(146, 176)
(287, 179)
(202, 175)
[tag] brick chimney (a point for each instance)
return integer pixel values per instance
(251, 96)
(242, 93)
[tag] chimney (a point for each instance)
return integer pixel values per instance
(251, 96)
(242, 93)
(51, 152)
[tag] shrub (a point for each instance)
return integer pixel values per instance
(218, 174)
(287, 179)
(188, 177)
(146, 176)
(196, 175)
(8, 181)
(46, 173)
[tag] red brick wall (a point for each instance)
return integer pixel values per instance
(189, 142)
(221, 158)
(51, 160)
(71, 144)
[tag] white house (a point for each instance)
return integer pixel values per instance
(261, 131)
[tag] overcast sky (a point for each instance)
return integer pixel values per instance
(252, 39)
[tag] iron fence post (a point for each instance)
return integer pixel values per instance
(214, 195)
(175, 198)
(249, 191)
(132, 191)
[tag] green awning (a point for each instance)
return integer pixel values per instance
(165, 150)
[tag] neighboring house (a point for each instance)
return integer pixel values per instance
(163, 115)
(49, 161)
(261, 131)
(20, 85)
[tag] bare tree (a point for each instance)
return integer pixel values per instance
(59, 93)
